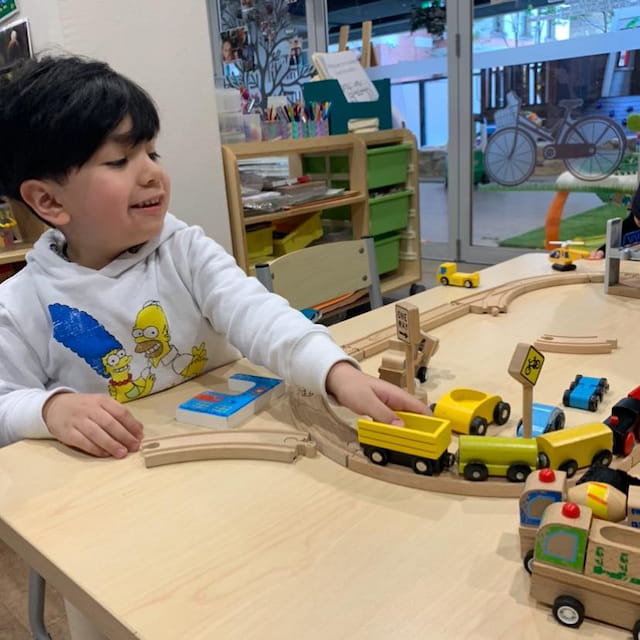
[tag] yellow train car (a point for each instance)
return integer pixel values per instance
(482, 456)
(577, 447)
(422, 443)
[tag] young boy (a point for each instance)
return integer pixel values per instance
(121, 299)
(629, 224)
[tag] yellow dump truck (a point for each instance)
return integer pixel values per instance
(422, 443)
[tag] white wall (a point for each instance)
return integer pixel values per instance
(165, 47)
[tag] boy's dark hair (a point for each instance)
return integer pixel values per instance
(58, 110)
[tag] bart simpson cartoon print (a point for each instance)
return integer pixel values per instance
(86, 337)
(151, 333)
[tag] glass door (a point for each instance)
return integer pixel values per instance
(550, 100)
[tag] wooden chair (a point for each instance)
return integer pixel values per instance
(324, 272)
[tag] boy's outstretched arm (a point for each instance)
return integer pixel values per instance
(366, 395)
(93, 423)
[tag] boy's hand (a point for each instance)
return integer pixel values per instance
(366, 395)
(93, 423)
(598, 254)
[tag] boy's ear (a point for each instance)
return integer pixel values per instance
(40, 195)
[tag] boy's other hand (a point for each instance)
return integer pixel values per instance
(598, 254)
(366, 395)
(93, 423)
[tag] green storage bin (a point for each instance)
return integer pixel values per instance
(387, 252)
(387, 165)
(314, 164)
(389, 212)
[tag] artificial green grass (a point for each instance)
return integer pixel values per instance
(589, 227)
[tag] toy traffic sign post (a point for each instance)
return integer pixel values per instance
(525, 366)
(408, 332)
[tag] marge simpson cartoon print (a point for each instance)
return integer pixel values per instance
(153, 339)
(86, 337)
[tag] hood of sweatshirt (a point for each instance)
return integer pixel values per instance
(49, 252)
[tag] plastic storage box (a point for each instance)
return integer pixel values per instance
(389, 212)
(296, 233)
(259, 241)
(386, 165)
(387, 252)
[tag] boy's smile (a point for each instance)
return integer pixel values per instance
(115, 201)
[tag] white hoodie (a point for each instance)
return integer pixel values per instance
(155, 316)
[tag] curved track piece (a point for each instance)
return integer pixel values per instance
(575, 344)
(278, 446)
(494, 301)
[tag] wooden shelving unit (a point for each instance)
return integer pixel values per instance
(352, 147)
(30, 229)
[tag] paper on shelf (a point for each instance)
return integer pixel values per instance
(345, 67)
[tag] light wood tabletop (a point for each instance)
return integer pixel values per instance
(254, 549)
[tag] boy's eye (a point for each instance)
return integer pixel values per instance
(154, 155)
(121, 162)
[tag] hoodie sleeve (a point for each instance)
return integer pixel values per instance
(260, 324)
(22, 385)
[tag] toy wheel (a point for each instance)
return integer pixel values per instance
(519, 429)
(378, 456)
(468, 284)
(543, 460)
(593, 403)
(478, 426)
(635, 632)
(574, 384)
(570, 466)
(501, 413)
(628, 443)
(476, 472)
(422, 374)
(422, 467)
(603, 458)
(568, 611)
(518, 472)
(559, 422)
(448, 460)
(604, 383)
(528, 561)
(444, 280)
(566, 398)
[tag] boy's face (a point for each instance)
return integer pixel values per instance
(115, 201)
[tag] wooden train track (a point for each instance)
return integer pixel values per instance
(494, 301)
(336, 437)
(279, 446)
(575, 344)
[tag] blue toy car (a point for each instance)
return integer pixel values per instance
(544, 418)
(585, 393)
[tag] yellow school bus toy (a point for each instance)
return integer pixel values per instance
(421, 443)
(481, 457)
(571, 449)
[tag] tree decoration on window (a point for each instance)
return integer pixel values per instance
(431, 16)
(273, 61)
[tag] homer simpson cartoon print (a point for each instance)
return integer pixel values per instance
(153, 339)
(87, 338)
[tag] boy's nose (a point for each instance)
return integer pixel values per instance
(151, 172)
